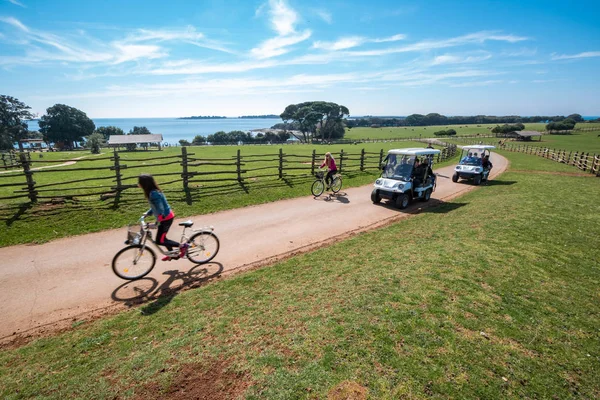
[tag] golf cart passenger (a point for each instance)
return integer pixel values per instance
(487, 164)
(419, 172)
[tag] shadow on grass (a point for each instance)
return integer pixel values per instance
(157, 295)
(22, 209)
(499, 183)
(433, 206)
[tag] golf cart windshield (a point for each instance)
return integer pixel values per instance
(398, 167)
(470, 160)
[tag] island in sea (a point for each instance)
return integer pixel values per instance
(265, 116)
(203, 117)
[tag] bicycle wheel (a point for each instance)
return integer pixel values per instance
(133, 262)
(204, 246)
(317, 188)
(336, 185)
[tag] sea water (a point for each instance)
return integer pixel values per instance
(175, 129)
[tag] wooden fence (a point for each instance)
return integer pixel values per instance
(110, 177)
(581, 160)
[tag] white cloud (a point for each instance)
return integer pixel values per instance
(17, 3)
(354, 41)
(14, 22)
(456, 59)
(131, 52)
(586, 54)
(325, 16)
(283, 21)
(340, 44)
(476, 83)
(283, 18)
(278, 45)
(425, 45)
(394, 38)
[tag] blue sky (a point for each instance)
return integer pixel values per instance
(178, 58)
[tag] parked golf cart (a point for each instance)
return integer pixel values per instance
(471, 164)
(402, 180)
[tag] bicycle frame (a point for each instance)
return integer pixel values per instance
(146, 227)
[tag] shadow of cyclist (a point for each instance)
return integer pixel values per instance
(148, 290)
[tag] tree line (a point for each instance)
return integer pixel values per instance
(438, 119)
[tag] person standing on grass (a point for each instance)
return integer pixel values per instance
(331, 168)
(163, 213)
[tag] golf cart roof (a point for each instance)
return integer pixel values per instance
(480, 147)
(416, 151)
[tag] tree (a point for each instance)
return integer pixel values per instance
(12, 126)
(94, 142)
(312, 114)
(184, 142)
(139, 130)
(65, 124)
(576, 118)
(107, 131)
(199, 140)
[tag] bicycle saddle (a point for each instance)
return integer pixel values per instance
(187, 224)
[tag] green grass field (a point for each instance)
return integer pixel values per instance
(578, 141)
(48, 221)
(425, 131)
(492, 295)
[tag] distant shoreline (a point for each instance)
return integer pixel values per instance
(267, 116)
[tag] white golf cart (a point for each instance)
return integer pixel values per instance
(474, 164)
(407, 175)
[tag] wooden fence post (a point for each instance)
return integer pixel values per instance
(380, 159)
(117, 169)
(239, 166)
(362, 160)
(184, 167)
(587, 157)
(312, 164)
(29, 177)
(280, 163)
(341, 160)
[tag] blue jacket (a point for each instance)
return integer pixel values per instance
(158, 205)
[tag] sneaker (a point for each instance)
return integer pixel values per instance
(183, 249)
(169, 258)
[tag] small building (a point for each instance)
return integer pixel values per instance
(525, 136)
(143, 140)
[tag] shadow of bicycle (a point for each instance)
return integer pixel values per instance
(150, 290)
(339, 197)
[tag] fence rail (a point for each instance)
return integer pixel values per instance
(110, 177)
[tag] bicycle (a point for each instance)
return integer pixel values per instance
(318, 186)
(137, 259)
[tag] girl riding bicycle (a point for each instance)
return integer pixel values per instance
(164, 215)
(331, 167)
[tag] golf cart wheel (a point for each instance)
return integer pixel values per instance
(477, 180)
(427, 195)
(402, 201)
(455, 177)
(375, 197)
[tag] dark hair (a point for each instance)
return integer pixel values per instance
(148, 184)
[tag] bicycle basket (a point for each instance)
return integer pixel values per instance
(319, 175)
(134, 234)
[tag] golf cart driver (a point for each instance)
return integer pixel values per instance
(474, 164)
(403, 179)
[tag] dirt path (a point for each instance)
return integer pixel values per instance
(73, 161)
(46, 287)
